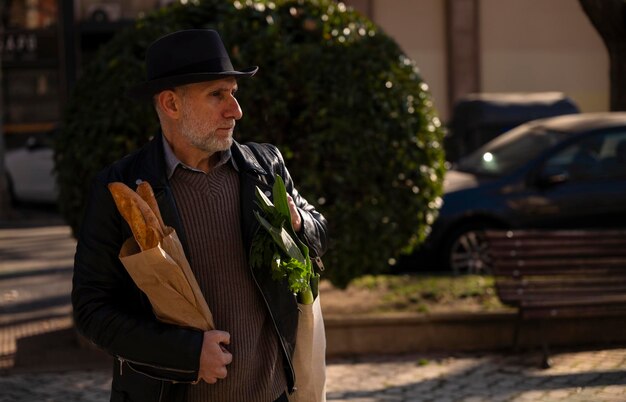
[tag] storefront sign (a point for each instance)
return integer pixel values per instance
(39, 45)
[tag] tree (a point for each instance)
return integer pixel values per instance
(609, 19)
(345, 106)
(5, 205)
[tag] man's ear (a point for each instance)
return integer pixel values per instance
(169, 103)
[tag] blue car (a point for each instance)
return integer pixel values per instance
(560, 172)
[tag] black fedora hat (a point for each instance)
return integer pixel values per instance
(185, 57)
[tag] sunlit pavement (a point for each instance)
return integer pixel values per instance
(582, 376)
(35, 281)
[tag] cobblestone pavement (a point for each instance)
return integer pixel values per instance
(576, 376)
(34, 300)
(35, 284)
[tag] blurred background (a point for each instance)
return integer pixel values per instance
(489, 65)
(460, 46)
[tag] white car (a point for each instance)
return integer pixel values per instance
(30, 171)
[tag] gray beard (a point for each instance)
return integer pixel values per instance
(199, 135)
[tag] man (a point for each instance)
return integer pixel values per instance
(204, 183)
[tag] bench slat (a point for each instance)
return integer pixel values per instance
(555, 234)
(557, 273)
(577, 301)
(558, 293)
(569, 280)
(527, 272)
(591, 252)
(581, 312)
(549, 268)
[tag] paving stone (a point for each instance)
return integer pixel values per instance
(615, 389)
(577, 376)
(365, 381)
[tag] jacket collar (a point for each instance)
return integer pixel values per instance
(245, 159)
(154, 167)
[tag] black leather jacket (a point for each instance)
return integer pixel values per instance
(154, 361)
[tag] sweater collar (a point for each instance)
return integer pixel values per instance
(172, 161)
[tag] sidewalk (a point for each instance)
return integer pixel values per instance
(38, 363)
(576, 377)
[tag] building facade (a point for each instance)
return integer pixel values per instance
(460, 46)
(43, 45)
(464, 46)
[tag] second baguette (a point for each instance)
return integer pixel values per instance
(136, 212)
(144, 189)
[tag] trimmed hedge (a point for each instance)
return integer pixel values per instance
(346, 107)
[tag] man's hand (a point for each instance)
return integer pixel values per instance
(296, 220)
(214, 357)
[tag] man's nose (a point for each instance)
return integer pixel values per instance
(233, 110)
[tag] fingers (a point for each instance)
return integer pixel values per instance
(220, 374)
(296, 220)
(214, 357)
(218, 337)
(227, 356)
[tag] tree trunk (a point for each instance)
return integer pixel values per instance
(617, 56)
(5, 202)
(609, 19)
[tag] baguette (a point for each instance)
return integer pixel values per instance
(136, 212)
(147, 194)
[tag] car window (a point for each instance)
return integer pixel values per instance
(599, 156)
(509, 152)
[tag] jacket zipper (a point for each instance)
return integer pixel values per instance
(280, 339)
(161, 391)
(123, 360)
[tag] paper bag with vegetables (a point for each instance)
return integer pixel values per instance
(155, 260)
(278, 248)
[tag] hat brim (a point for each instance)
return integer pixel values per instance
(146, 90)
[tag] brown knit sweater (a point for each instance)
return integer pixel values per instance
(210, 211)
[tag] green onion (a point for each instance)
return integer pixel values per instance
(279, 249)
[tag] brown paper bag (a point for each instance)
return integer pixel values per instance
(309, 358)
(164, 275)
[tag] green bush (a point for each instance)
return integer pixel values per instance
(348, 110)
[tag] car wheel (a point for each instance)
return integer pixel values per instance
(466, 251)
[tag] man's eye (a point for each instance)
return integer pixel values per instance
(222, 93)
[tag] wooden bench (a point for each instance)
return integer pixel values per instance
(559, 273)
